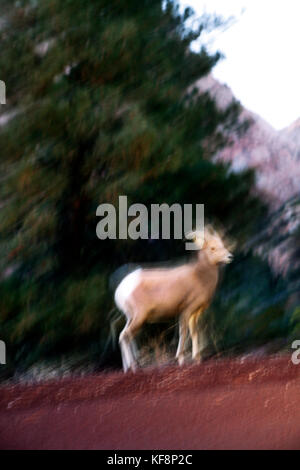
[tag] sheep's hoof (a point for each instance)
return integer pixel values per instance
(180, 360)
(133, 367)
(197, 359)
(130, 368)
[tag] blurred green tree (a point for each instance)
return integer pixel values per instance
(105, 105)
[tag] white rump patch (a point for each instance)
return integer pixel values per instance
(126, 287)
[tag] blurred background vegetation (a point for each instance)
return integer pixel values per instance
(101, 103)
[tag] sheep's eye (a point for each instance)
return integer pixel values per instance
(213, 248)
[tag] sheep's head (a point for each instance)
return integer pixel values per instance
(211, 242)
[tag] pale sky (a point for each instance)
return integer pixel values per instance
(262, 49)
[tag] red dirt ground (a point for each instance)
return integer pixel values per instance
(249, 403)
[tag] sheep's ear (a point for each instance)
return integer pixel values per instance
(208, 233)
(209, 230)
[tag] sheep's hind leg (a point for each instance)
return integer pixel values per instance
(127, 339)
(127, 356)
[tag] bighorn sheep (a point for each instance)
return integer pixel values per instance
(151, 295)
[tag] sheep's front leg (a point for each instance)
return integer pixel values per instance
(196, 353)
(182, 339)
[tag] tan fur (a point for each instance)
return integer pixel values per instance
(184, 292)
